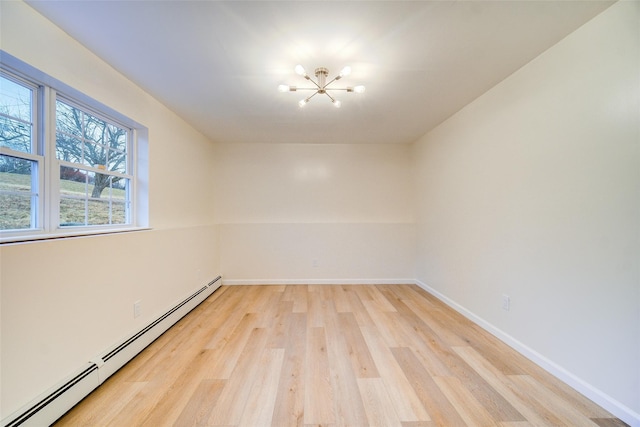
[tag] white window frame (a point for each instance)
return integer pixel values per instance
(47, 91)
(35, 154)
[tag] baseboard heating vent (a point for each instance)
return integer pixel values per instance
(52, 405)
(121, 354)
(122, 346)
(45, 410)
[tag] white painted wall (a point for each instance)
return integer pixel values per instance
(313, 183)
(64, 301)
(318, 253)
(533, 190)
(316, 213)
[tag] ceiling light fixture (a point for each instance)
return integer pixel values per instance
(321, 84)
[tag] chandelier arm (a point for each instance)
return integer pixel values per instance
(334, 79)
(307, 88)
(330, 97)
(313, 81)
(312, 95)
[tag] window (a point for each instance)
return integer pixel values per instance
(68, 165)
(94, 180)
(20, 161)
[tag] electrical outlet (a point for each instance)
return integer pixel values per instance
(314, 262)
(137, 309)
(506, 302)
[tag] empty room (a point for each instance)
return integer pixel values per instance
(320, 213)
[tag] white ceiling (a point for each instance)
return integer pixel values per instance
(218, 63)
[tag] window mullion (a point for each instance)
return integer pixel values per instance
(38, 112)
(86, 200)
(52, 168)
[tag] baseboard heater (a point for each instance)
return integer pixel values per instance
(51, 405)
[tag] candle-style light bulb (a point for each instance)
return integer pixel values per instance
(345, 71)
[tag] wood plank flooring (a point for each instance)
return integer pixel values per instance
(303, 355)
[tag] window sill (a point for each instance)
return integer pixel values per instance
(66, 234)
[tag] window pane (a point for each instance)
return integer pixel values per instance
(100, 182)
(119, 212)
(16, 124)
(18, 198)
(121, 203)
(95, 155)
(117, 161)
(15, 134)
(72, 212)
(69, 124)
(68, 119)
(68, 148)
(16, 212)
(73, 194)
(95, 129)
(89, 198)
(98, 212)
(72, 182)
(121, 200)
(117, 138)
(15, 100)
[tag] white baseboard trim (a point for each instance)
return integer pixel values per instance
(621, 411)
(318, 282)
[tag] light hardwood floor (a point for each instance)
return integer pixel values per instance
(389, 355)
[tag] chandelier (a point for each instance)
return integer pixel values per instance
(321, 84)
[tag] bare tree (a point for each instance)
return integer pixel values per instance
(80, 138)
(17, 136)
(85, 139)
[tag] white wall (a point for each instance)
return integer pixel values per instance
(64, 301)
(532, 191)
(282, 206)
